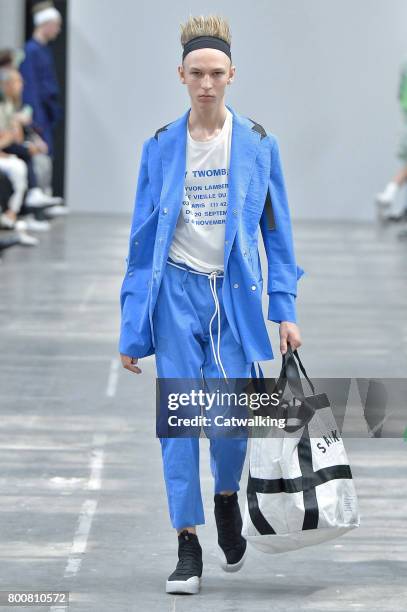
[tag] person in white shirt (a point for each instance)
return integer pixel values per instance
(199, 237)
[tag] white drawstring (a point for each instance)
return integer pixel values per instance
(218, 361)
(213, 275)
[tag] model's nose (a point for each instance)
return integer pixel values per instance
(207, 82)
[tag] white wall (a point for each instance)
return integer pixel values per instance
(321, 75)
(11, 23)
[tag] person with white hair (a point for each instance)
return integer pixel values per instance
(41, 88)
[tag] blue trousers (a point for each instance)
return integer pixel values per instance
(186, 344)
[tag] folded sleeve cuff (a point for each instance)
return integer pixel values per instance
(284, 277)
(282, 307)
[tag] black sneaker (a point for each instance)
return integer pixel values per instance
(229, 523)
(186, 578)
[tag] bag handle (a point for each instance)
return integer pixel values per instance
(297, 415)
(289, 374)
(295, 353)
(290, 371)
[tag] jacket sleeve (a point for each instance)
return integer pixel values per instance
(30, 91)
(50, 93)
(283, 272)
(143, 204)
(142, 208)
(134, 323)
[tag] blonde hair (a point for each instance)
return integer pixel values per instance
(209, 25)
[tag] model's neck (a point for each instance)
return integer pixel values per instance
(206, 120)
(39, 37)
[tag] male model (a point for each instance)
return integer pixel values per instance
(192, 290)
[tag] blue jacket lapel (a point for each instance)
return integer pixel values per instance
(244, 147)
(243, 153)
(172, 146)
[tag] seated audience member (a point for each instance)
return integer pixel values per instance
(16, 121)
(8, 218)
(11, 58)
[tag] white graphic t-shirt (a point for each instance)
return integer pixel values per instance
(199, 236)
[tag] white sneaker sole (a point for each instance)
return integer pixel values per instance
(27, 240)
(41, 226)
(59, 211)
(190, 586)
(229, 567)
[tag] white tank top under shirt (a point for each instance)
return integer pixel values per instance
(199, 237)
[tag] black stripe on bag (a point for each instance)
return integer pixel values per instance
(311, 515)
(258, 519)
(296, 485)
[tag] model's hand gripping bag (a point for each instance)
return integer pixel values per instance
(300, 488)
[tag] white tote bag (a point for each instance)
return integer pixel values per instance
(300, 489)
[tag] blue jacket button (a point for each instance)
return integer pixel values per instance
(236, 285)
(254, 287)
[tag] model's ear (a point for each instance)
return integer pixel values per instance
(181, 74)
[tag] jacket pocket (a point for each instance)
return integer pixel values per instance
(255, 263)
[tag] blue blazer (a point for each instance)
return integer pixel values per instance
(41, 90)
(257, 198)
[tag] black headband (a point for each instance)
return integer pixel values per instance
(200, 42)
